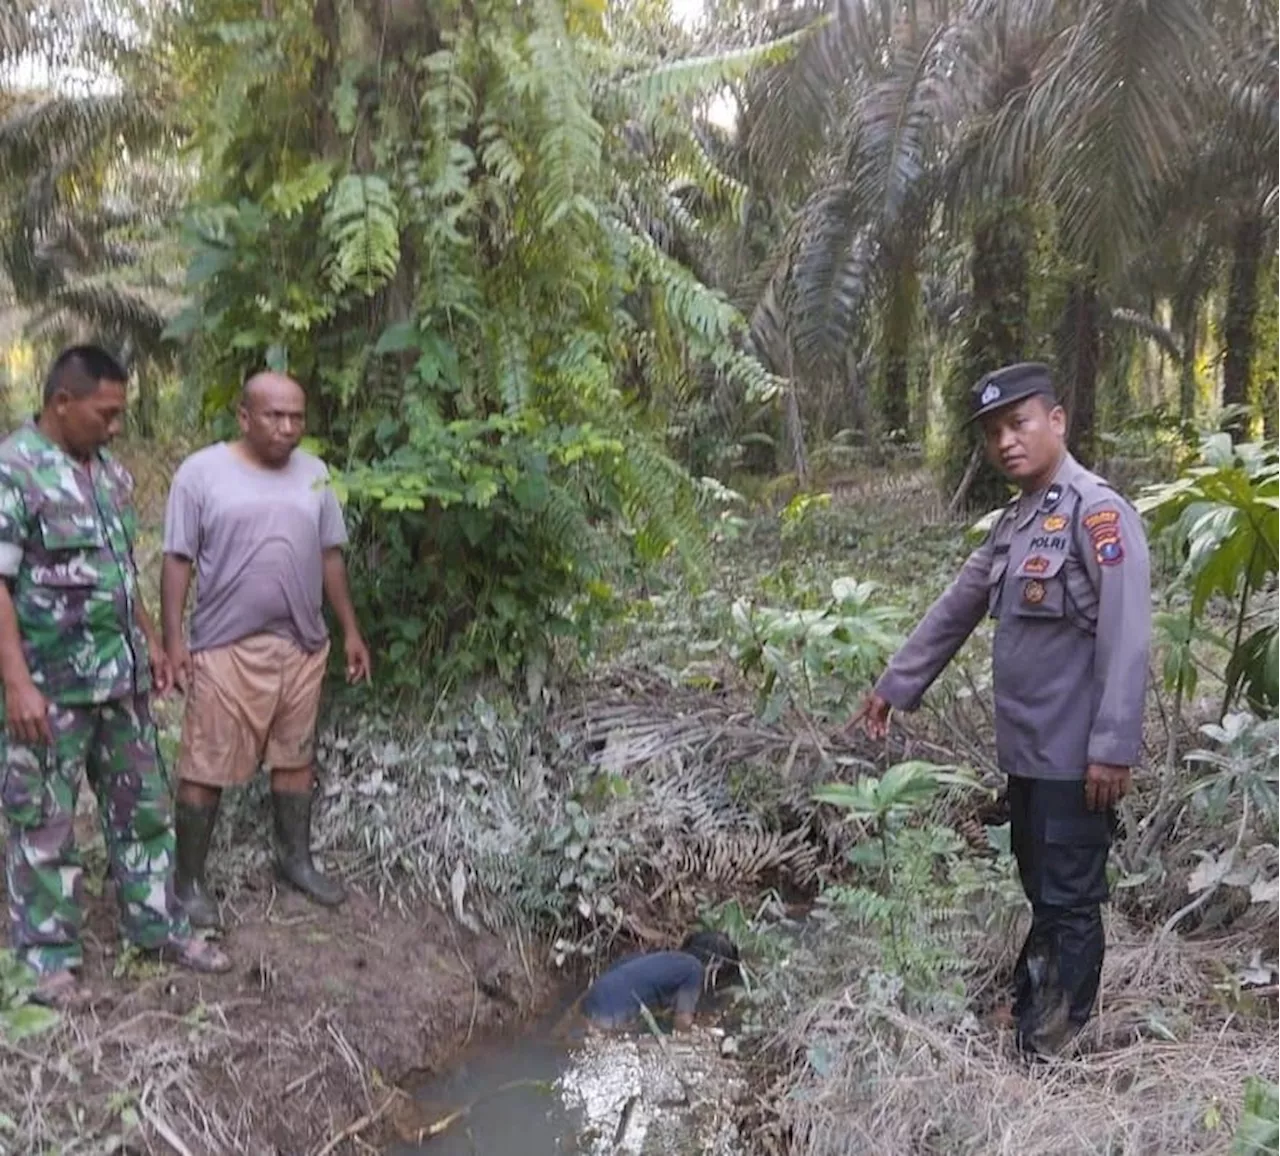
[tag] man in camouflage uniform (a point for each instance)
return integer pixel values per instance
(78, 657)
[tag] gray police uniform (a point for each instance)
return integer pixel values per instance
(1065, 573)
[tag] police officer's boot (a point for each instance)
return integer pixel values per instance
(293, 849)
(194, 831)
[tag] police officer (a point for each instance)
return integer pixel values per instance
(1065, 574)
(78, 656)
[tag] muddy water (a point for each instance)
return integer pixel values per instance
(506, 1092)
(536, 1096)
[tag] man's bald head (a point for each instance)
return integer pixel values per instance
(267, 386)
(273, 409)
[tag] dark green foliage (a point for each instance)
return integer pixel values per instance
(452, 265)
(995, 334)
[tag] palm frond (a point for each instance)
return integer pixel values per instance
(1119, 110)
(796, 108)
(361, 223)
(69, 131)
(695, 75)
(834, 273)
(1148, 327)
(101, 306)
(17, 33)
(895, 134)
(569, 149)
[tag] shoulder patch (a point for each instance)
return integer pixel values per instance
(1103, 527)
(1110, 552)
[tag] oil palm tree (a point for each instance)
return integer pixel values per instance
(81, 195)
(948, 115)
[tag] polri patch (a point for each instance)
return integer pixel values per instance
(1036, 564)
(1055, 522)
(1104, 532)
(1048, 542)
(1110, 552)
(1033, 592)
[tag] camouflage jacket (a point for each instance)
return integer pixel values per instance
(66, 548)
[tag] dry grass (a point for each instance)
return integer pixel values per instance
(209, 1080)
(1160, 1070)
(321, 1012)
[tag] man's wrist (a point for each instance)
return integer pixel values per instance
(20, 680)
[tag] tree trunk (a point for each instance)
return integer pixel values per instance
(1238, 323)
(1079, 352)
(899, 328)
(146, 412)
(1186, 323)
(996, 336)
(795, 439)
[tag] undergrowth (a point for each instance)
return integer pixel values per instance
(702, 772)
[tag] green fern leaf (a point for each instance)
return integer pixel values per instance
(363, 227)
(289, 197)
(569, 148)
(515, 384)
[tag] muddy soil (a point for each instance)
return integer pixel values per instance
(323, 1015)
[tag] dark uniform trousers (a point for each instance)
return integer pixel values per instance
(1061, 848)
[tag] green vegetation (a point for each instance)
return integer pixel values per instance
(636, 347)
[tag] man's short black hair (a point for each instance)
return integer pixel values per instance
(719, 955)
(80, 370)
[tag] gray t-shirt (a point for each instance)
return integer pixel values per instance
(256, 536)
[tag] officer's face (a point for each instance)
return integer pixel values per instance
(1024, 440)
(89, 423)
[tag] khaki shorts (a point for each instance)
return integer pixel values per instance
(252, 702)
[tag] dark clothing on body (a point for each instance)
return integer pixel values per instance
(1065, 573)
(658, 979)
(1061, 848)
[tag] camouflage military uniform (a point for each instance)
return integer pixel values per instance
(66, 545)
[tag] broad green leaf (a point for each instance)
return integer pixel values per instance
(28, 1020)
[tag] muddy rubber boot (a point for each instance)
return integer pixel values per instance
(194, 830)
(293, 850)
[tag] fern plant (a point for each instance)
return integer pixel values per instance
(362, 225)
(914, 889)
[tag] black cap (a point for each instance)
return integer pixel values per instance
(1005, 386)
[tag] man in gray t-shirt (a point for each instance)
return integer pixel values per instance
(258, 522)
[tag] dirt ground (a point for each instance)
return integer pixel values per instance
(324, 1014)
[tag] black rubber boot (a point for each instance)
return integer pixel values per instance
(194, 830)
(293, 850)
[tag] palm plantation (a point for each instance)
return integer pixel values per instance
(640, 343)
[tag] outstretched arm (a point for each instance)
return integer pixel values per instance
(942, 631)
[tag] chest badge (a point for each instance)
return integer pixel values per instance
(1036, 564)
(1055, 522)
(1033, 592)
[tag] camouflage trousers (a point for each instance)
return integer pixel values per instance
(114, 743)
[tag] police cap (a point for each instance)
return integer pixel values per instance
(1013, 383)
